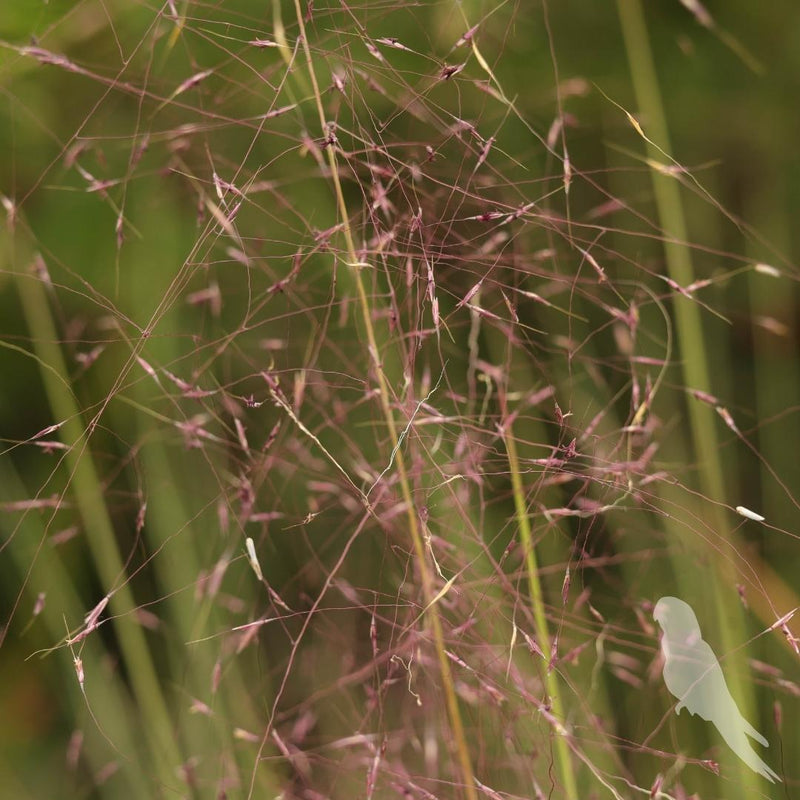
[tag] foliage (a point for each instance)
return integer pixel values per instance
(371, 370)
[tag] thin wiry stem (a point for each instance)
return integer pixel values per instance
(426, 577)
(539, 617)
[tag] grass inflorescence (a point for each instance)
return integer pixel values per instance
(366, 386)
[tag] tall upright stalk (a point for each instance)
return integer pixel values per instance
(105, 690)
(86, 488)
(691, 341)
(562, 754)
(426, 577)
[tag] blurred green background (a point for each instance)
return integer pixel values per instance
(171, 237)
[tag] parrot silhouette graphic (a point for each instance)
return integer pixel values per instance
(693, 675)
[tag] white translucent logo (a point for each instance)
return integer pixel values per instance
(693, 675)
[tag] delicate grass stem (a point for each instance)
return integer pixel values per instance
(426, 577)
(540, 619)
